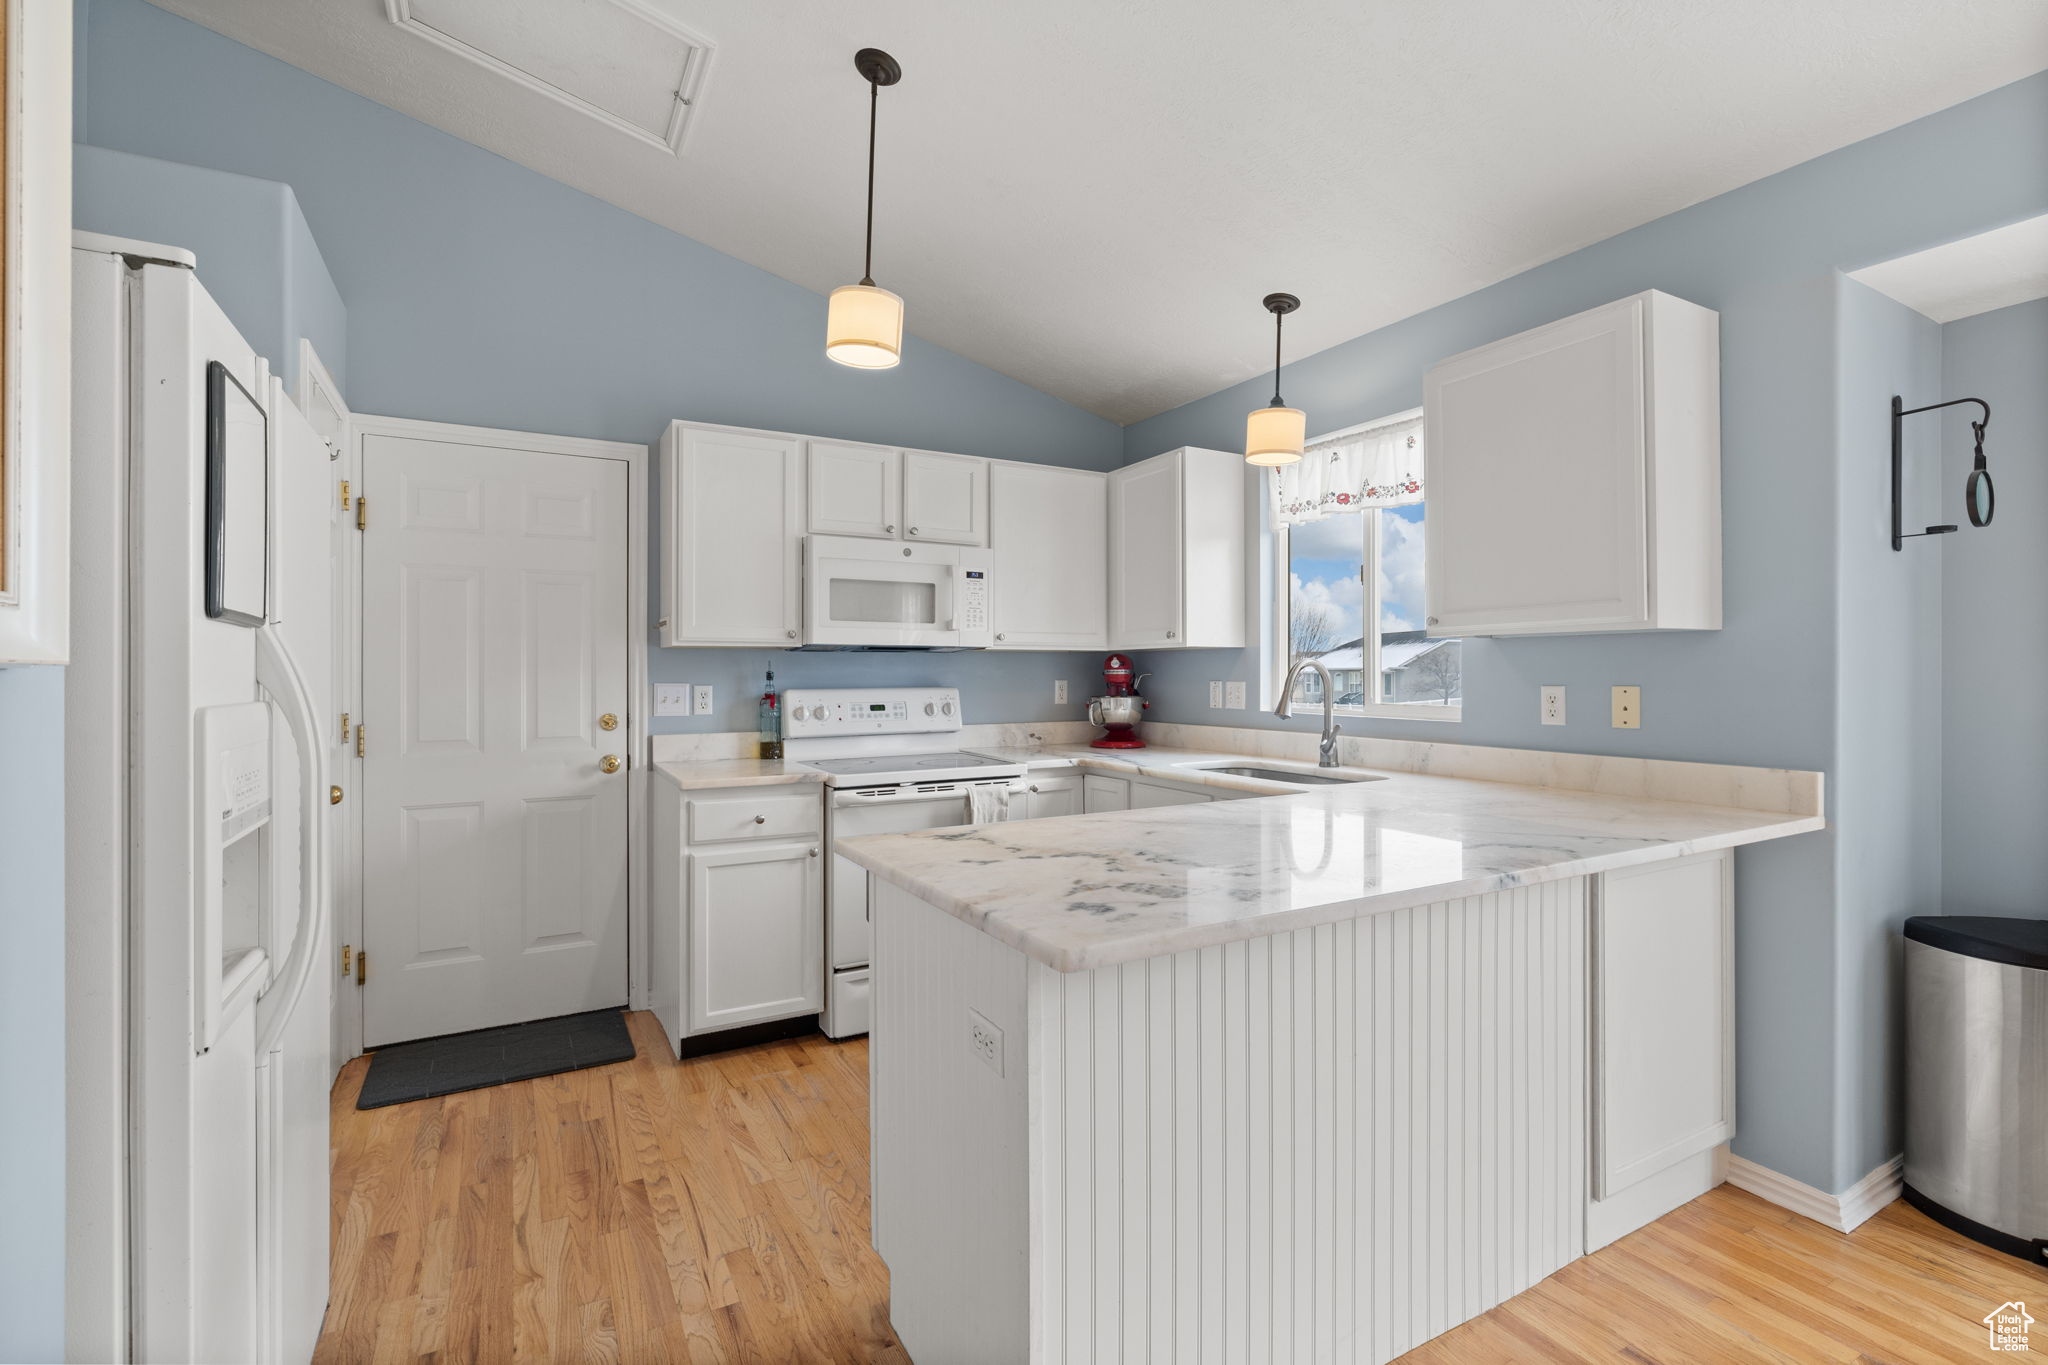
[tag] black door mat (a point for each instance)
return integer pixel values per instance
(494, 1056)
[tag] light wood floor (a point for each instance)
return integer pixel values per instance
(717, 1211)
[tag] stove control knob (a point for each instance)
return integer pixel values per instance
(928, 709)
(946, 707)
(799, 713)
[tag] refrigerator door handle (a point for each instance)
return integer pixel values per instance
(279, 676)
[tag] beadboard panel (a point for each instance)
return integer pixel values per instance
(949, 1134)
(1324, 1145)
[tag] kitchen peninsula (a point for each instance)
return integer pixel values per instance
(1315, 1076)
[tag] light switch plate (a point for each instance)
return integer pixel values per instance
(700, 699)
(1059, 692)
(1216, 695)
(1552, 707)
(1628, 708)
(1233, 695)
(671, 699)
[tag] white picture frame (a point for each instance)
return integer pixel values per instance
(35, 365)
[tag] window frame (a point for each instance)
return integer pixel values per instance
(1280, 606)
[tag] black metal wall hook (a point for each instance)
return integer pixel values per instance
(1977, 493)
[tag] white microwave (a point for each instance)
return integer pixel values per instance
(883, 593)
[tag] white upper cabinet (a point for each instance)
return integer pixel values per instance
(1575, 476)
(945, 498)
(1177, 552)
(1049, 530)
(731, 536)
(855, 490)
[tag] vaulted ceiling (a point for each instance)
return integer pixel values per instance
(1093, 197)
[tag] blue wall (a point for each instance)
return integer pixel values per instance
(1887, 772)
(1995, 622)
(1815, 1007)
(480, 292)
(32, 1014)
(256, 253)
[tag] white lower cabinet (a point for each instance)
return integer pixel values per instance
(1105, 793)
(1663, 1037)
(1145, 795)
(1046, 796)
(737, 931)
(757, 935)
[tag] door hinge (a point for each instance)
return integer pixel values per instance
(344, 727)
(344, 492)
(362, 966)
(348, 959)
(361, 727)
(362, 514)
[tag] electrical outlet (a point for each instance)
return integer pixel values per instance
(1233, 696)
(700, 699)
(671, 699)
(1216, 695)
(1553, 704)
(985, 1039)
(1059, 692)
(1628, 708)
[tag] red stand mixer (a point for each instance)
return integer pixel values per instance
(1121, 709)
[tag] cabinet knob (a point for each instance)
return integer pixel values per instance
(1034, 786)
(334, 796)
(913, 530)
(790, 634)
(1001, 636)
(814, 853)
(889, 530)
(1432, 620)
(662, 624)
(1169, 635)
(760, 819)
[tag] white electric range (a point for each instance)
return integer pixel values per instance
(890, 766)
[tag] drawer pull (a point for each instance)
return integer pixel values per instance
(760, 819)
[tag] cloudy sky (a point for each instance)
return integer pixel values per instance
(1325, 557)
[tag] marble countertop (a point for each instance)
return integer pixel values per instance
(699, 774)
(1084, 891)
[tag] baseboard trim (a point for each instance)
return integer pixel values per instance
(1844, 1212)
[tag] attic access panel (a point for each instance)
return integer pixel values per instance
(621, 62)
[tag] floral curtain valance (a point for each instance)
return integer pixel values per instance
(1378, 467)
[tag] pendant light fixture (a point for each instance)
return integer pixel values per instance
(1274, 435)
(864, 322)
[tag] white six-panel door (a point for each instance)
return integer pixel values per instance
(494, 644)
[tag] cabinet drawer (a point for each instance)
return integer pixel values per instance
(717, 819)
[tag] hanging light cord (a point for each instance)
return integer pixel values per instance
(1278, 318)
(867, 272)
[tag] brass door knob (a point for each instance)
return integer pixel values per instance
(607, 721)
(334, 796)
(610, 763)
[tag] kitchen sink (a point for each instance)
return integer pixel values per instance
(1283, 774)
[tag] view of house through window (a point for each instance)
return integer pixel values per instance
(1366, 628)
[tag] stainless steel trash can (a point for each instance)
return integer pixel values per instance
(1977, 1077)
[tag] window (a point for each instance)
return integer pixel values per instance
(1350, 596)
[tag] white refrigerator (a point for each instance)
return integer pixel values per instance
(197, 805)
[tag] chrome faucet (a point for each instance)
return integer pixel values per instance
(1326, 752)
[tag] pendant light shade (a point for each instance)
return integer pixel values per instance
(864, 327)
(1275, 434)
(863, 322)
